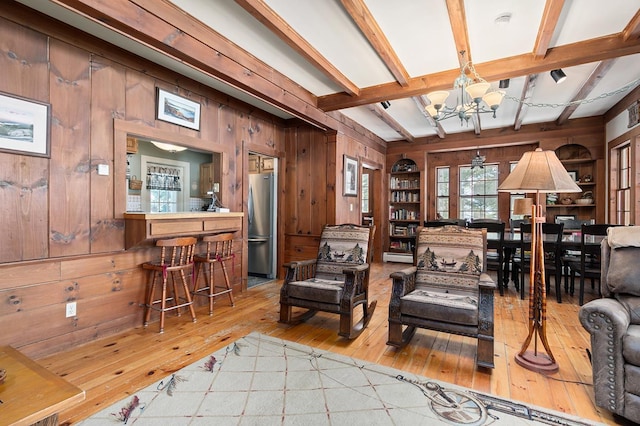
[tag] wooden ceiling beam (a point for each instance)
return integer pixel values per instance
(598, 74)
(632, 30)
(527, 92)
(568, 55)
(361, 15)
(458, 21)
(422, 105)
(550, 17)
(391, 122)
(274, 22)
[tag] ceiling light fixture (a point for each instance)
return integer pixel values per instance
(385, 104)
(473, 91)
(168, 147)
(504, 84)
(477, 161)
(558, 76)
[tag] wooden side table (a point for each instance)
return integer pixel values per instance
(31, 394)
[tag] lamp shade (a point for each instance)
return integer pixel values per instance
(494, 99)
(522, 206)
(539, 171)
(437, 98)
(431, 110)
(477, 90)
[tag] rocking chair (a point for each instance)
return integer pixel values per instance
(446, 290)
(337, 281)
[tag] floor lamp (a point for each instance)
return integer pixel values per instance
(538, 172)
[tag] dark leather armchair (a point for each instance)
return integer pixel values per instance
(446, 290)
(614, 325)
(337, 281)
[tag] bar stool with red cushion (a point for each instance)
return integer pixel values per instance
(219, 251)
(176, 261)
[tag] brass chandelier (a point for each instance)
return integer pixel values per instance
(474, 97)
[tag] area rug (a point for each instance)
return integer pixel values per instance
(261, 380)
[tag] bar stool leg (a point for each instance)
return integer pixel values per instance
(227, 283)
(149, 299)
(187, 295)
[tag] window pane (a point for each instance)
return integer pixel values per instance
(479, 192)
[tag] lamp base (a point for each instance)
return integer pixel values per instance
(537, 362)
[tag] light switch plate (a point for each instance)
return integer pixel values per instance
(103, 169)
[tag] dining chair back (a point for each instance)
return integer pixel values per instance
(495, 248)
(444, 222)
(589, 263)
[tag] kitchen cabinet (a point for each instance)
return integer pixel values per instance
(209, 180)
(260, 164)
(132, 145)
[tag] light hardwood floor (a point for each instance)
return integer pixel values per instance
(114, 368)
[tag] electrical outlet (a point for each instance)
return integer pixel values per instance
(71, 309)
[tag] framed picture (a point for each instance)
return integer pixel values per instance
(350, 176)
(178, 110)
(24, 126)
(574, 175)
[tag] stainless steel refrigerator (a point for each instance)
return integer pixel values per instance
(261, 220)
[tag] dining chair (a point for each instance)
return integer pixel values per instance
(495, 248)
(588, 263)
(552, 246)
(444, 222)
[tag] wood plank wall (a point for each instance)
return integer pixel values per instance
(62, 240)
(62, 229)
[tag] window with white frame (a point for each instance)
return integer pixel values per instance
(166, 189)
(513, 196)
(442, 191)
(479, 192)
(623, 191)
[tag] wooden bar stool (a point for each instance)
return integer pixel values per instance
(219, 250)
(176, 261)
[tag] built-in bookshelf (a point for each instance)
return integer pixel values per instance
(404, 210)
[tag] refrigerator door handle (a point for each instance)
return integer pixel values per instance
(250, 205)
(257, 240)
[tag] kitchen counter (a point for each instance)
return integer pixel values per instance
(144, 226)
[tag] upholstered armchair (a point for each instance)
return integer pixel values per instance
(614, 325)
(337, 281)
(446, 290)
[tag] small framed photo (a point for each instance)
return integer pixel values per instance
(350, 176)
(24, 126)
(178, 110)
(574, 175)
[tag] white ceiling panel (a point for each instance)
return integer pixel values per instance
(502, 28)
(328, 27)
(586, 19)
(419, 36)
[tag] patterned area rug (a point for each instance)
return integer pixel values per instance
(261, 380)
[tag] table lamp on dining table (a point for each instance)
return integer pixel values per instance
(538, 172)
